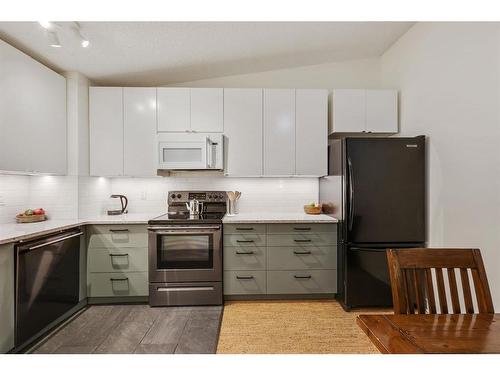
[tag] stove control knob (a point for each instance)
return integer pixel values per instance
(172, 196)
(179, 196)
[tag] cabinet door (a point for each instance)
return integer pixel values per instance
(49, 132)
(311, 111)
(382, 111)
(106, 131)
(32, 115)
(139, 131)
(243, 131)
(279, 132)
(7, 297)
(173, 109)
(348, 111)
(207, 110)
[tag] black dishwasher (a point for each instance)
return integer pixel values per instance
(47, 282)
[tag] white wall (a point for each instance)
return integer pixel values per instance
(448, 77)
(344, 74)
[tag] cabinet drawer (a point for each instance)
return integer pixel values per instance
(299, 258)
(244, 282)
(244, 258)
(250, 239)
(303, 239)
(116, 284)
(116, 236)
(301, 228)
(302, 282)
(244, 228)
(118, 260)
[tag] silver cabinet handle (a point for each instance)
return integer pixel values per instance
(244, 241)
(244, 252)
(119, 230)
(55, 241)
(118, 255)
(302, 240)
(302, 277)
(249, 228)
(301, 229)
(244, 277)
(302, 252)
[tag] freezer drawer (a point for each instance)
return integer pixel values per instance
(367, 278)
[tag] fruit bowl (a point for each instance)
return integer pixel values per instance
(22, 218)
(312, 210)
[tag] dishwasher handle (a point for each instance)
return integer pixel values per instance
(54, 241)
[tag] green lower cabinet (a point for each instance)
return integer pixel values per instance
(7, 297)
(280, 259)
(244, 282)
(113, 284)
(302, 282)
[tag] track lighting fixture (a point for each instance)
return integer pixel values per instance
(54, 39)
(53, 29)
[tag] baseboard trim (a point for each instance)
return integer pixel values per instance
(267, 297)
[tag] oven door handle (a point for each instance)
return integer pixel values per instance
(191, 232)
(172, 229)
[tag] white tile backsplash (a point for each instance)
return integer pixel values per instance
(68, 197)
(58, 195)
(258, 194)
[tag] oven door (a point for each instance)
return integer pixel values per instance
(185, 254)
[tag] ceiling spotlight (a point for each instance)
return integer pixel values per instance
(54, 40)
(46, 24)
(84, 41)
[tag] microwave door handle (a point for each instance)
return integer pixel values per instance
(209, 150)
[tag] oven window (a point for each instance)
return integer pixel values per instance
(193, 251)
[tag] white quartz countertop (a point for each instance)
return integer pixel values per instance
(278, 218)
(13, 232)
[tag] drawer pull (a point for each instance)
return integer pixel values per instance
(244, 252)
(244, 277)
(302, 240)
(302, 277)
(250, 228)
(118, 230)
(244, 241)
(302, 252)
(119, 279)
(118, 255)
(301, 229)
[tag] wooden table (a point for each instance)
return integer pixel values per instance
(452, 333)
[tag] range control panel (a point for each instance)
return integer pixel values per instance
(202, 196)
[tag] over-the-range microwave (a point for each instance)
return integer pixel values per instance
(191, 151)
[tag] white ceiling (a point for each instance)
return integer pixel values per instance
(159, 53)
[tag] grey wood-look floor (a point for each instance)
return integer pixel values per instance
(127, 329)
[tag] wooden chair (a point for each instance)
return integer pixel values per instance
(412, 280)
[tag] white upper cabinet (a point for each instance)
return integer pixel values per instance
(207, 110)
(32, 115)
(348, 111)
(279, 132)
(382, 111)
(106, 131)
(364, 111)
(174, 109)
(311, 111)
(139, 132)
(243, 132)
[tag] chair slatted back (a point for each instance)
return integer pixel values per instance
(418, 281)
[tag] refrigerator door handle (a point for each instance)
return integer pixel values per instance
(351, 194)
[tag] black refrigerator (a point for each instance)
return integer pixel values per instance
(378, 188)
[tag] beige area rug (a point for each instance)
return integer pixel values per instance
(271, 327)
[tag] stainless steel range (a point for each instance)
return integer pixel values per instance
(185, 250)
